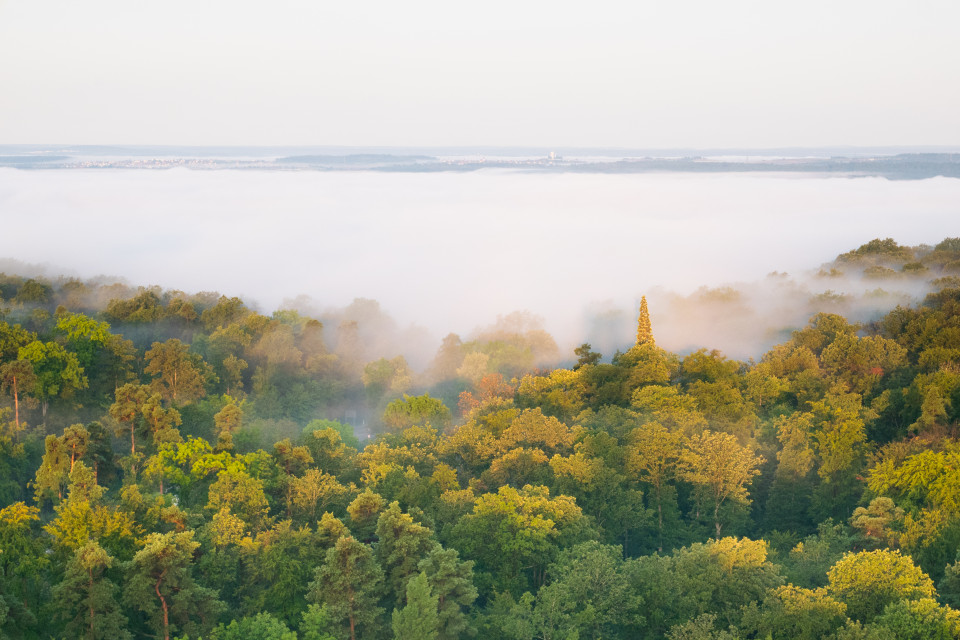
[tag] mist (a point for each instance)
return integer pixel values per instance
(450, 252)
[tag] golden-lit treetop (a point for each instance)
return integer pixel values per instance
(644, 330)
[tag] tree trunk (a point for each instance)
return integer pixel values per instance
(660, 526)
(716, 518)
(163, 603)
(353, 635)
(16, 404)
(659, 520)
(90, 573)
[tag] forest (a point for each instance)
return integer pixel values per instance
(177, 465)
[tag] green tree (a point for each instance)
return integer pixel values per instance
(23, 568)
(314, 492)
(386, 378)
(88, 598)
(233, 368)
(58, 372)
(514, 534)
(53, 475)
(720, 576)
(949, 585)
(923, 619)
(315, 623)
(655, 458)
(721, 468)
(451, 581)
(104, 357)
(242, 494)
(808, 562)
(127, 410)
(162, 587)
(586, 356)
(262, 626)
(17, 377)
(796, 613)
(291, 460)
(364, 512)
(180, 376)
(161, 422)
(591, 583)
(647, 364)
(76, 439)
(669, 407)
(332, 445)
(703, 627)
(143, 307)
(417, 620)
(933, 411)
(416, 410)
(560, 393)
(12, 338)
(860, 363)
(870, 580)
(33, 291)
(402, 544)
(277, 566)
(348, 583)
(874, 521)
(224, 313)
(85, 516)
(226, 422)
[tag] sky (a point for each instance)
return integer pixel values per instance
(688, 73)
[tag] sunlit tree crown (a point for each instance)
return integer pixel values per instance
(644, 330)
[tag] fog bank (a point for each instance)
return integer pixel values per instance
(450, 252)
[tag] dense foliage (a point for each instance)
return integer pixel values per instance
(177, 465)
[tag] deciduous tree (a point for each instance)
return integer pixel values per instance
(722, 468)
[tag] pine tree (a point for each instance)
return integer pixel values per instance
(644, 329)
(53, 475)
(933, 411)
(88, 599)
(402, 544)
(418, 619)
(314, 624)
(227, 421)
(161, 585)
(451, 580)
(349, 583)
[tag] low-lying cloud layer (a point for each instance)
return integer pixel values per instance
(450, 252)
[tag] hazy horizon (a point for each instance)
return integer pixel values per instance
(452, 251)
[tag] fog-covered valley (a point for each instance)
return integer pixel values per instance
(728, 261)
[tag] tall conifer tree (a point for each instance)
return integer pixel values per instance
(644, 329)
(349, 583)
(87, 599)
(418, 619)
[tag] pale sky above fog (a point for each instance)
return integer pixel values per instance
(701, 73)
